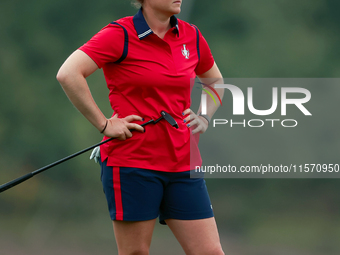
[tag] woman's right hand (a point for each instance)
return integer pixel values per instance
(119, 127)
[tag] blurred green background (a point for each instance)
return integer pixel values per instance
(63, 211)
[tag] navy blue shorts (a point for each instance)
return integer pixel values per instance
(135, 194)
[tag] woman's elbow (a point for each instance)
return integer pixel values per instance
(63, 75)
(220, 91)
(66, 76)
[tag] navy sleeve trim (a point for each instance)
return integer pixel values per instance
(126, 43)
(198, 42)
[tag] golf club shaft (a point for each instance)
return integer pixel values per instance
(23, 178)
(11, 184)
(28, 176)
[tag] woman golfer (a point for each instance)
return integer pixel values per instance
(148, 61)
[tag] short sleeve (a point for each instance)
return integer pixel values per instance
(206, 60)
(106, 46)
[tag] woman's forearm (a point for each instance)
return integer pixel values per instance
(208, 79)
(72, 77)
(211, 104)
(79, 94)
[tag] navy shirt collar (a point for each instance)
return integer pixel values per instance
(143, 29)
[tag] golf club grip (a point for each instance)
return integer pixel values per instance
(15, 182)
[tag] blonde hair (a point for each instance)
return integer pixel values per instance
(137, 3)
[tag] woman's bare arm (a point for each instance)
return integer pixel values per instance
(199, 123)
(72, 77)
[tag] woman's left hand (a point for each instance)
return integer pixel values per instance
(195, 122)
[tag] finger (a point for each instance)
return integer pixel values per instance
(132, 118)
(115, 116)
(186, 112)
(135, 127)
(191, 118)
(121, 137)
(193, 123)
(190, 115)
(128, 133)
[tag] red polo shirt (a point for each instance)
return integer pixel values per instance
(154, 76)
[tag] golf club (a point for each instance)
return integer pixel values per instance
(6, 186)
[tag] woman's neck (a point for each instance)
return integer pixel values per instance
(158, 22)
